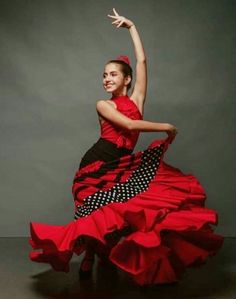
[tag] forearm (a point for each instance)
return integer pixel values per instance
(138, 46)
(148, 126)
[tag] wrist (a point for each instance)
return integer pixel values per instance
(132, 25)
(167, 127)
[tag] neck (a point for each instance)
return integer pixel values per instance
(114, 96)
(119, 94)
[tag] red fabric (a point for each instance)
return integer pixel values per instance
(124, 58)
(170, 225)
(122, 137)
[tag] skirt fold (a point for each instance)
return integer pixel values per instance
(148, 218)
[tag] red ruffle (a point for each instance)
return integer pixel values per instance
(170, 230)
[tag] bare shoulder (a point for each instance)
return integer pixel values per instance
(112, 103)
(101, 106)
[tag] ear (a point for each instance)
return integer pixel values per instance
(127, 80)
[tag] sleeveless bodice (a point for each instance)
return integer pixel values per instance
(117, 135)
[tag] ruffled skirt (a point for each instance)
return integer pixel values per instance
(148, 217)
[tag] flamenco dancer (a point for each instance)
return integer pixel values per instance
(132, 210)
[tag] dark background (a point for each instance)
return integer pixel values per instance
(52, 55)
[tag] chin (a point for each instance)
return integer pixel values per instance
(110, 90)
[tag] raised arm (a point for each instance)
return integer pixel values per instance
(110, 113)
(140, 86)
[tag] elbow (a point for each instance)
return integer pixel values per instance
(130, 125)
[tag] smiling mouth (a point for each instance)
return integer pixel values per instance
(109, 85)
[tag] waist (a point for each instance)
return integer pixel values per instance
(103, 150)
(124, 139)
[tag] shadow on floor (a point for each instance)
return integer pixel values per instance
(212, 280)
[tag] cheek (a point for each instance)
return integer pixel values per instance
(120, 79)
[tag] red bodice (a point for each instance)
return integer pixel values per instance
(118, 135)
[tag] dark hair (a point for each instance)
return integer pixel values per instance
(125, 68)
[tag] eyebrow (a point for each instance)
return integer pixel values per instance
(110, 72)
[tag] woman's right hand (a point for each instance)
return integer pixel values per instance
(120, 21)
(171, 131)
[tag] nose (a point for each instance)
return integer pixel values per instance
(107, 80)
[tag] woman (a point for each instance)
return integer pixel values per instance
(131, 209)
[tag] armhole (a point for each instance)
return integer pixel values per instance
(136, 104)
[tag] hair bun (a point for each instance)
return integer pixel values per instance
(124, 58)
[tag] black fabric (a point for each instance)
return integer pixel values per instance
(121, 192)
(106, 151)
(103, 150)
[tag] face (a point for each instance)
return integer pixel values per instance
(113, 79)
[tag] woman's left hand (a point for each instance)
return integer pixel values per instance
(172, 131)
(120, 21)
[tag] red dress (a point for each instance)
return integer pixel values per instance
(148, 217)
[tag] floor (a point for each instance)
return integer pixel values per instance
(22, 279)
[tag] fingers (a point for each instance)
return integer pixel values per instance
(120, 24)
(171, 138)
(119, 20)
(172, 134)
(114, 17)
(115, 12)
(175, 131)
(115, 22)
